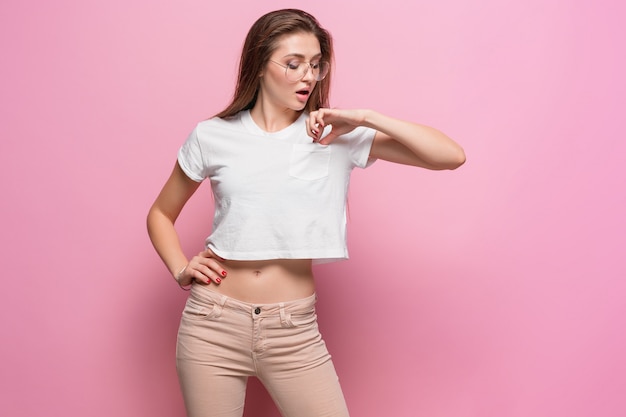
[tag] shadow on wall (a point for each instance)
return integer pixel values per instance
(151, 333)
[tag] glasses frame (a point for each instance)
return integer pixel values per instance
(309, 68)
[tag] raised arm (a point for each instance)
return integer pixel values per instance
(396, 140)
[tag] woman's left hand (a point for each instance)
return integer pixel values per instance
(396, 140)
(342, 122)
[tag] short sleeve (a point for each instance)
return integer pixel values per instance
(191, 158)
(359, 143)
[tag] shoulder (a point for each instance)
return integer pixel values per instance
(218, 122)
(219, 126)
(356, 137)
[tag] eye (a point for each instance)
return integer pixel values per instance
(293, 65)
(315, 65)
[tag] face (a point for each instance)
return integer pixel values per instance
(275, 89)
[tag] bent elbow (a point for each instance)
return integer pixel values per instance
(458, 160)
(454, 161)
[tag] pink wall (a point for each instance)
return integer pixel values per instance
(495, 290)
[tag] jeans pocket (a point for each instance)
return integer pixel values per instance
(292, 320)
(195, 310)
(309, 161)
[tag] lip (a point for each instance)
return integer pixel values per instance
(303, 94)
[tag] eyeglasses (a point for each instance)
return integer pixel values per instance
(296, 70)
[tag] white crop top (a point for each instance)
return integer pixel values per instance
(277, 195)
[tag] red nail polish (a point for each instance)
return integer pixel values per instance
(218, 280)
(223, 273)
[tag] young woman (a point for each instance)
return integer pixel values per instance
(279, 162)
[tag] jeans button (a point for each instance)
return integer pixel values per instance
(257, 310)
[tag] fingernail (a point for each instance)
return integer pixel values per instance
(218, 280)
(223, 273)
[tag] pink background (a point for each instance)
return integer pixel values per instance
(494, 290)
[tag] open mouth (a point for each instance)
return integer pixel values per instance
(303, 93)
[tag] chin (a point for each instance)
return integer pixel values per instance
(301, 106)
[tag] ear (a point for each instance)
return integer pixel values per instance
(262, 70)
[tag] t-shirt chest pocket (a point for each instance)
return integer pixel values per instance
(309, 161)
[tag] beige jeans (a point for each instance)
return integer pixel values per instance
(223, 341)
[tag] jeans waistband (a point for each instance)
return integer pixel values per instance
(203, 294)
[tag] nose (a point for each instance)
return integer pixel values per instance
(308, 74)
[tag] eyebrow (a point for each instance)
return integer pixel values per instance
(297, 55)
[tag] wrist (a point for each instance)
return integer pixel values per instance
(369, 118)
(178, 277)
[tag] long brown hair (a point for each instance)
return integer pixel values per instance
(261, 42)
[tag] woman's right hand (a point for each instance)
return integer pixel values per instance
(202, 268)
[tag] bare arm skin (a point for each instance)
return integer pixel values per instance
(263, 281)
(396, 140)
(204, 267)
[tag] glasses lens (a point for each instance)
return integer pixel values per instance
(295, 73)
(299, 71)
(322, 70)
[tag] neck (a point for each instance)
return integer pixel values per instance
(272, 118)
